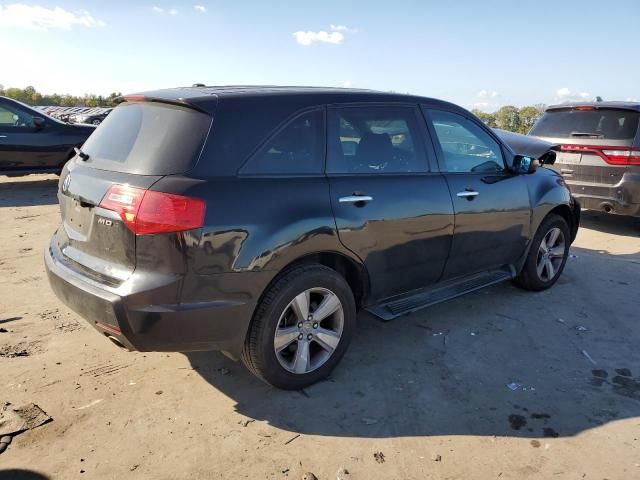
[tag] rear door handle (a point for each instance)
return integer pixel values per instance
(566, 170)
(355, 199)
(468, 194)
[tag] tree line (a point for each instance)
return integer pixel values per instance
(31, 96)
(512, 118)
(509, 117)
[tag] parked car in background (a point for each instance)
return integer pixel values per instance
(92, 117)
(599, 152)
(257, 220)
(32, 142)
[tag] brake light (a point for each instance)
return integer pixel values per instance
(611, 155)
(147, 212)
(585, 107)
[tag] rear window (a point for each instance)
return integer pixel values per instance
(605, 124)
(148, 139)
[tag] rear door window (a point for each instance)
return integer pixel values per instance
(465, 146)
(601, 123)
(148, 138)
(375, 140)
(296, 149)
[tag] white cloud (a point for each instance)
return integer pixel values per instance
(308, 38)
(487, 94)
(26, 16)
(565, 94)
(342, 28)
(347, 84)
(163, 11)
(200, 8)
(486, 106)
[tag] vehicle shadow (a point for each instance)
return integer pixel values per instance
(19, 474)
(607, 223)
(500, 361)
(28, 193)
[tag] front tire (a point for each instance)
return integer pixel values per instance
(548, 255)
(301, 328)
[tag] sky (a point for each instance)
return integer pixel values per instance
(479, 54)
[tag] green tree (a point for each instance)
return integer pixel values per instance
(489, 119)
(528, 116)
(508, 118)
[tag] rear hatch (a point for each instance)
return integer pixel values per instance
(105, 188)
(596, 143)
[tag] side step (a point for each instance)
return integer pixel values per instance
(425, 297)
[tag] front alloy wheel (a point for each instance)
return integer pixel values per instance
(550, 254)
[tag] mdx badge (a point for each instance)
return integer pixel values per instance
(105, 221)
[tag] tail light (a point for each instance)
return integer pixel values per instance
(611, 155)
(147, 212)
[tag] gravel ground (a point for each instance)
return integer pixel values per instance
(424, 396)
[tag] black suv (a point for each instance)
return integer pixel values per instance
(257, 220)
(599, 152)
(32, 142)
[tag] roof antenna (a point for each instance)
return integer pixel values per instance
(598, 99)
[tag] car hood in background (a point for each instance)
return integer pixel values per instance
(525, 145)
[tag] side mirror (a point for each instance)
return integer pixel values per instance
(39, 122)
(523, 164)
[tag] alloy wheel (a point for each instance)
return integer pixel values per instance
(550, 254)
(309, 330)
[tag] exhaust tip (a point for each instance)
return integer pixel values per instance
(117, 342)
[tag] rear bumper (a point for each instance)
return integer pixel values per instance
(622, 198)
(135, 315)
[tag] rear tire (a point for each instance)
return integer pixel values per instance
(548, 255)
(301, 328)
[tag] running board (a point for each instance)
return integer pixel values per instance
(439, 293)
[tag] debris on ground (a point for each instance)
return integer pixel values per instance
(379, 456)
(584, 352)
(560, 320)
(4, 442)
(4, 330)
(436, 458)
(291, 439)
(580, 328)
(343, 474)
(514, 386)
(17, 420)
(224, 371)
(309, 476)
(369, 421)
(246, 421)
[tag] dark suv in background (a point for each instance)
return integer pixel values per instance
(599, 152)
(257, 220)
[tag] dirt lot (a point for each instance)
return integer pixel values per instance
(424, 396)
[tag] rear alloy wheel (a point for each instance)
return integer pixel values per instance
(309, 330)
(95, 122)
(547, 256)
(301, 328)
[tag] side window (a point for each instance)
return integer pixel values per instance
(374, 140)
(297, 149)
(13, 117)
(465, 146)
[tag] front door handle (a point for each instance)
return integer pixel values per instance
(355, 199)
(469, 195)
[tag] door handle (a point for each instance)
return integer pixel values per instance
(3, 136)
(355, 199)
(566, 170)
(468, 194)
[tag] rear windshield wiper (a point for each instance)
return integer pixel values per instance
(587, 134)
(81, 154)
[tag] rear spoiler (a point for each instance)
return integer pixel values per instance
(182, 97)
(528, 146)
